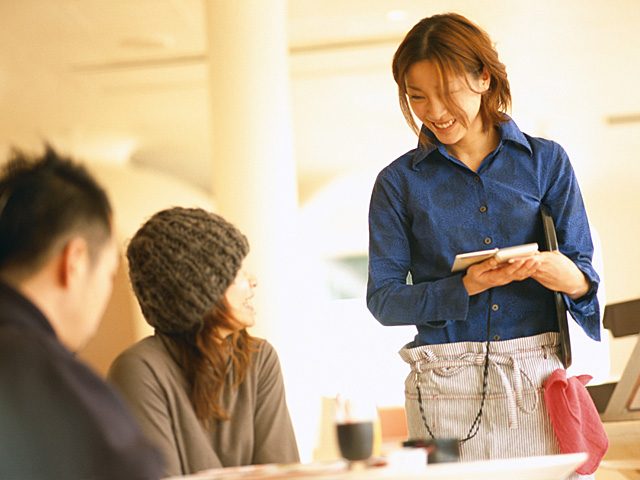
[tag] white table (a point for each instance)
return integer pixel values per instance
(551, 467)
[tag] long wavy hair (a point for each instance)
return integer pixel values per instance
(455, 46)
(207, 358)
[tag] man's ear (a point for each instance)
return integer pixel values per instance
(74, 261)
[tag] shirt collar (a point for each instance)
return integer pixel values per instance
(509, 132)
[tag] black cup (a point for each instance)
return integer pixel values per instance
(355, 440)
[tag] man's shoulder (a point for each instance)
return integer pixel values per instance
(38, 366)
(24, 348)
(54, 402)
(38, 373)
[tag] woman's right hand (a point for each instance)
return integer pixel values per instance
(485, 275)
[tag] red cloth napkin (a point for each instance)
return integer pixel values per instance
(575, 419)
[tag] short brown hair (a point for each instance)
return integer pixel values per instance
(456, 46)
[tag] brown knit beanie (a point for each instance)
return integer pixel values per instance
(181, 262)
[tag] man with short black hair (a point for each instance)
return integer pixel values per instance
(58, 259)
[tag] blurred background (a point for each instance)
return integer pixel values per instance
(278, 115)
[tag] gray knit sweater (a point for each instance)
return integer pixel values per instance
(260, 430)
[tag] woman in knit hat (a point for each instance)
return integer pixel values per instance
(206, 392)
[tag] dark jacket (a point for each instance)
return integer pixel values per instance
(58, 419)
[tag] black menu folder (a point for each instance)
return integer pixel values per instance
(551, 243)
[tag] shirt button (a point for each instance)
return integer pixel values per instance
(494, 307)
(476, 179)
(483, 209)
(487, 241)
(496, 338)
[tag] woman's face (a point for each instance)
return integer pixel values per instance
(425, 99)
(239, 295)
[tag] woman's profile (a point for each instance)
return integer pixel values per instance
(206, 392)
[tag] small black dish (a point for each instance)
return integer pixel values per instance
(439, 450)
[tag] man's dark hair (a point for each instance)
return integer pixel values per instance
(45, 201)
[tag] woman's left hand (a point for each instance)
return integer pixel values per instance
(557, 272)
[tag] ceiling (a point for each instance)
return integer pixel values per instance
(125, 80)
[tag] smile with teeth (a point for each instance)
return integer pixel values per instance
(445, 125)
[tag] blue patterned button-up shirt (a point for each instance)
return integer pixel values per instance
(427, 206)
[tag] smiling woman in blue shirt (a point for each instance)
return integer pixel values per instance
(487, 337)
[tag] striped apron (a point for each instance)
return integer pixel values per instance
(514, 420)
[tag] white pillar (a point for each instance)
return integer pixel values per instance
(254, 178)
